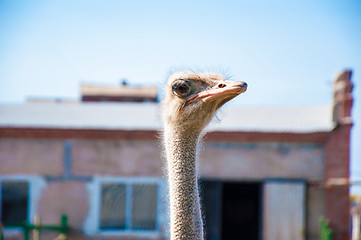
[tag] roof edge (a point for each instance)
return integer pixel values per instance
(116, 134)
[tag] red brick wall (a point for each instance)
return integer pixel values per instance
(337, 158)
(337, 197)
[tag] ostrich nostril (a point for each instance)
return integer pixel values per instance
(221, 85)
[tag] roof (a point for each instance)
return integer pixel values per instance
(146, 116)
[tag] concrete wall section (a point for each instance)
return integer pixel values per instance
(258, 161)
(315, 210)
(64, 197)
(120, 158)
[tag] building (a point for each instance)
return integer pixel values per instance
(122, 93)
(266, 173)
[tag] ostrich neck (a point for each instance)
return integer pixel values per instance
(185, 213)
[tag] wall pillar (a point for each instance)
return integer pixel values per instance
(337, 158)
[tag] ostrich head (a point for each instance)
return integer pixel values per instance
(191, 99)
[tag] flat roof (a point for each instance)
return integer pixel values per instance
(146, 116)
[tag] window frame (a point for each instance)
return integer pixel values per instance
(92, 223)
(35, 186)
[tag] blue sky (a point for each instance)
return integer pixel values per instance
(287, 51)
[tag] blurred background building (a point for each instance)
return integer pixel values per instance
(266, 172)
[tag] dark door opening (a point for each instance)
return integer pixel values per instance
(241, 211)
(231, 210)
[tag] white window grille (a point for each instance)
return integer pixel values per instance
(129, 206)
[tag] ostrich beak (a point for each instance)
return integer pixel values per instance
(224, 91)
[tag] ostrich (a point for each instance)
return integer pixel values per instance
(190, 102)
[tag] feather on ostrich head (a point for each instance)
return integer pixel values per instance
(191, 99)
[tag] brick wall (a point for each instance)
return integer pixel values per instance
(337, 158)
(29, 156)
(337, 197)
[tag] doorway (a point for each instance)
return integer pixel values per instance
(231, 209)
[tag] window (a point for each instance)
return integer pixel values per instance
(18, 198)
(131, 206)
(14, 197)
(144, 210)
(112, 210)
(128, 206)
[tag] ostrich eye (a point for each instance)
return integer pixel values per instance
(181, 88)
